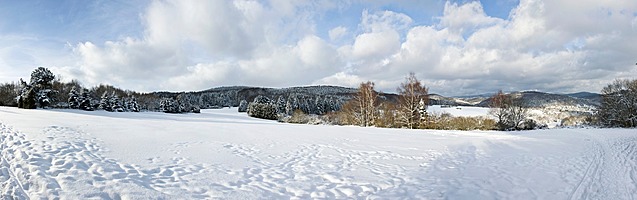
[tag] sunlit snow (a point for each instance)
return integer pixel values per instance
(71, 154)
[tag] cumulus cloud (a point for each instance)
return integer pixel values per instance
(558, 46)
(470, 52)
(185, 41)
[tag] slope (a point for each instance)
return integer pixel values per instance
(223, 154)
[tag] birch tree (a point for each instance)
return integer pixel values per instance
(411, 93)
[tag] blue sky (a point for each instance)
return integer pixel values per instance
(454, 47)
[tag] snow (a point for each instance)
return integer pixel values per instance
(71, 154)
(460, 111)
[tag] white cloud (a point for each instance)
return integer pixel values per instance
(465, 18)
(341, 78)
(385, 20)
(337, 33)
(375, 45)
(525, 52)
(558, 46)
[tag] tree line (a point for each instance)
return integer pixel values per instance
(366, 107)
(45, 90)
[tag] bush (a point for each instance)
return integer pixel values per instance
(447, 122)
(298, 117)
(262, 110)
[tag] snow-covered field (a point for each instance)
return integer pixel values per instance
(459, 111)
(223, 154)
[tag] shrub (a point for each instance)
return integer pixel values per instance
(446, 121)
(262, 110)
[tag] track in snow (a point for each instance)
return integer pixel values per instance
(65, 161)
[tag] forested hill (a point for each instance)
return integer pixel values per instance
(309, 99)
(322, 99)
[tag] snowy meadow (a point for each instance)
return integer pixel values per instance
(72, 154)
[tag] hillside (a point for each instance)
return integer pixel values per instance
(541, 99)
(231, 96)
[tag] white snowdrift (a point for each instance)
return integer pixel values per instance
(71, 154)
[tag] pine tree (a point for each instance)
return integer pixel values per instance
(74, 99)
(85, 100)
(38, 92)
(42, 82)
(422, 110)
(262, 107)
(105, 103)
(292, 104)
(133, 106)
(280, 105)
(114, 102)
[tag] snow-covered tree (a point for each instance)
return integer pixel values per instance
(38, 92)
(422, 110)
(85, 100)
(74, 99)
(292, 104)
(169, 105)
(132, 105)
(105, 103)
(27, 97)
(243, 106)
(262, 107)
(115, 103)
(280, 105)
(619, 104)
(42, 78)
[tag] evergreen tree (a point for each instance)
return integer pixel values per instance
(115, 103)
(27, 98)
(105, 103)
(318, 106)
(74, 99)
(262, 107)
(38, 91)
(422, 110)
(85, 100)
(169, 105)
(243, 106)
(133, 106)
(280, 105)
(42, 82)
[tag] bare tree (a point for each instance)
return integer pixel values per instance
(509, 112)
(412, 92)
(362, 109)
(619, 104)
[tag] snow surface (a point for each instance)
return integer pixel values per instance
(71, 154)
(460, 111)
